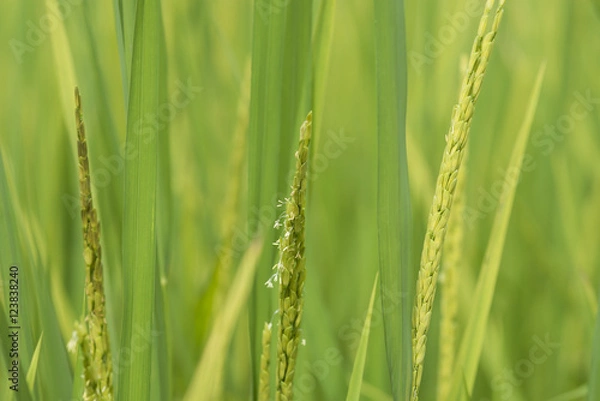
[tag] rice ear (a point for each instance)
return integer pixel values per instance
(291, 271)
(95, 345)
(439, 214)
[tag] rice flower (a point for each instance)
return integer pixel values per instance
(291, 271)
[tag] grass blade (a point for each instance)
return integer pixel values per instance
(356, 378)
(164, 218)
(596, 5)
(594, 381)
(207, 379)
(393, 193)
(31, 373)
(10, 254)
(264, 126)
(139, 224)
(573, 395)
(125, 20)
(473, 337)
(64, 66)
(322, 40)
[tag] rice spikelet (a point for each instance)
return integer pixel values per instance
(451, 261)
(264, 390)
(291, 271)
(94, 342)
(446, 185)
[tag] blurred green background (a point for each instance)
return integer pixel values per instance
(548, 281)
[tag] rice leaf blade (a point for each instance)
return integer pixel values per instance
(162, 364)
(264, 125)
(323, 37)
(356, 378)
(139, 224)
(472, 341)
(63, 59)
(594, 381)
(573, 395)
(393, 192)
(125, 21)
(31, 373)
(10, 254)
(206, 382)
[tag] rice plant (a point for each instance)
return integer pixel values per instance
(138, 242)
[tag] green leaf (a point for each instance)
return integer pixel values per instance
(322, 40)
(469, 353)
(573, 395)
(34, 363)
(596, 5)
(19, 245)
(207, 380)
(393, 193)
(139, 224)
(356, 378)
(594, 381)
(66, 71)
(162, 364)
(10, 254)
(263, 156)
(125, 19)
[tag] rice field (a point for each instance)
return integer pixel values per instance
(300, 200)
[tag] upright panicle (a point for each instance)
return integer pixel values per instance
(291, 271)
(439, 214)
(94, 339)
